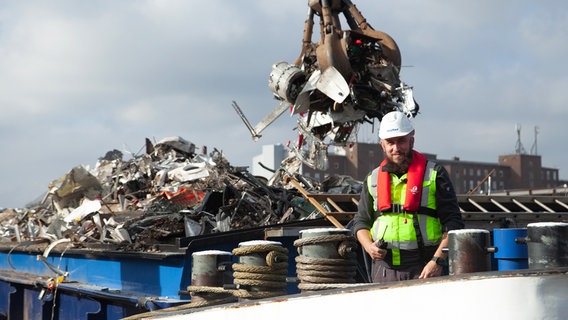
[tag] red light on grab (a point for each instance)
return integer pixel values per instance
(358, 42)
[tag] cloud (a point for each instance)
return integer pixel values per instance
(80, 78)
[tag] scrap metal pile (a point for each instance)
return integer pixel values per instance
(169, 192)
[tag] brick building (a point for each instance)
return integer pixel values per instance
(514, 171)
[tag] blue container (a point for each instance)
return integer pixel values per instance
(510, 255)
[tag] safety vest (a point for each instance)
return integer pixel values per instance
(403, 203)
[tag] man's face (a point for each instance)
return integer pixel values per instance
(397, 150)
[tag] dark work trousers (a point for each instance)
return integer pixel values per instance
(381, 273)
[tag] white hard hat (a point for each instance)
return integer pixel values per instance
(395, 124)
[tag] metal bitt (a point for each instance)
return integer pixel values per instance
(210, 271)
(327, 258)
(468, 251)
(547, 245)
(262, 269)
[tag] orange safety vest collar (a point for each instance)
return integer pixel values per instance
(415, 177)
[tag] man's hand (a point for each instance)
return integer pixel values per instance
(375, 252)
(431, 269)
(372, 248)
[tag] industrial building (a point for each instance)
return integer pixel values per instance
(510, 172)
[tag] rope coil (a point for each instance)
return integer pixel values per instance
(327, 273)
(262, 281)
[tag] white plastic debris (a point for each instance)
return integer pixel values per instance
(87, 207)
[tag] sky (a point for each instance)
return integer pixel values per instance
(80, 78)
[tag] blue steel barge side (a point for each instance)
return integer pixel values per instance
(98, 281)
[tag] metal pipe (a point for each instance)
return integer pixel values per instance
(521, 205)
(561, 203)
(477, 205)
(543, 205)
(502, 207)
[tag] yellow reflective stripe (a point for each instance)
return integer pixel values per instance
(409, 245)
(395, 257)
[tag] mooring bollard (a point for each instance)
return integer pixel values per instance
(210, 271)
(327, 258)
(323, 242)
(262, 269)
(468, 251)
(547, 245)
(512, 250)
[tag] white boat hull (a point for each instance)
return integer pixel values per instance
(491, 295)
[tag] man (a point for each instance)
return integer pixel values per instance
(407, 206)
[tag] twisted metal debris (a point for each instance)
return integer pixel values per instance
(169, 192)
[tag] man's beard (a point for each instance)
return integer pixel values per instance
(399, 167)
